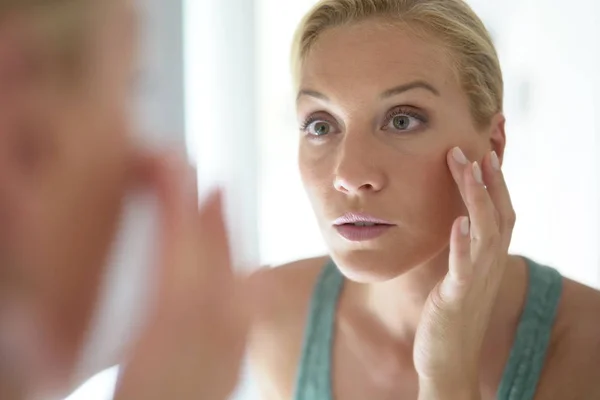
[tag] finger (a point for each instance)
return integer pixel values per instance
(500, 196)
(457, 162)
(213, 241)
(460, 267)
(178, 215)
(176, 191)
(482, 213)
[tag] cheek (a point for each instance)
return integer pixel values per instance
(432, 200)
(316, 172)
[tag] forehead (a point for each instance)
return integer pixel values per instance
(375, 55)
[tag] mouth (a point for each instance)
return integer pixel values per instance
(361, 227)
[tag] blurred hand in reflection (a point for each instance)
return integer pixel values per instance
(194, 340)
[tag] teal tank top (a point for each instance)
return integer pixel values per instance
(522, 370)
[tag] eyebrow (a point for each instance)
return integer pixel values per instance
(311, 93)
(388, 93)
(409, 86)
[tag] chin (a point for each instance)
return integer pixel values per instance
(383, 263)
(371, 266)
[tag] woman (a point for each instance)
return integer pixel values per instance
(401, 138)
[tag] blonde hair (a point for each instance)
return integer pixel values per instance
(452, 22)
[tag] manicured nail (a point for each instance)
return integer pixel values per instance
(495, 161)
(459, 156)
(465, 226)
(477, 173)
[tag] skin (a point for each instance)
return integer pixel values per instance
(409, 177)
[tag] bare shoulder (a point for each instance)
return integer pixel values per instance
(278, 330)
(572, 369)
(288, 288)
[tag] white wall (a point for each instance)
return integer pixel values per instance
(288, 229)
(221, 113)
(548, 52)
(161, 89)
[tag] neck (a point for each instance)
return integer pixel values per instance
(397, 304)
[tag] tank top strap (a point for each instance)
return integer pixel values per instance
(314, 373)
(528, 354)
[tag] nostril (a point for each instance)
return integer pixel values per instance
(340, 188)
(347, 188)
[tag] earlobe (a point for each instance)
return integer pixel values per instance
(498, 135)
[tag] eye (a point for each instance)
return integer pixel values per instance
(319, 128)
(404, 120)
(316, 127)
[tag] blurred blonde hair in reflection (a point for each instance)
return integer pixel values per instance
(452, 22)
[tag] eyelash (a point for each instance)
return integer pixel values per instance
(304, 126)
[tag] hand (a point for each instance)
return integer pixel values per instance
(194, 342)
(456, 315)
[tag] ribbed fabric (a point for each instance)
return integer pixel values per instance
(528, 353)
(314, 374)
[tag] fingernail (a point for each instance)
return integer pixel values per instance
(465, 226)
(477, 173)
(495, 161)
(459, 156)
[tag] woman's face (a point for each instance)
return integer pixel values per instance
(379, 109)
(64, 157)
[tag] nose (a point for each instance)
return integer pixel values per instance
(358, 170)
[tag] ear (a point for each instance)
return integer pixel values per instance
(497, 135)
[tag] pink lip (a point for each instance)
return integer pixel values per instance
(352, 218)
(346, 228)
